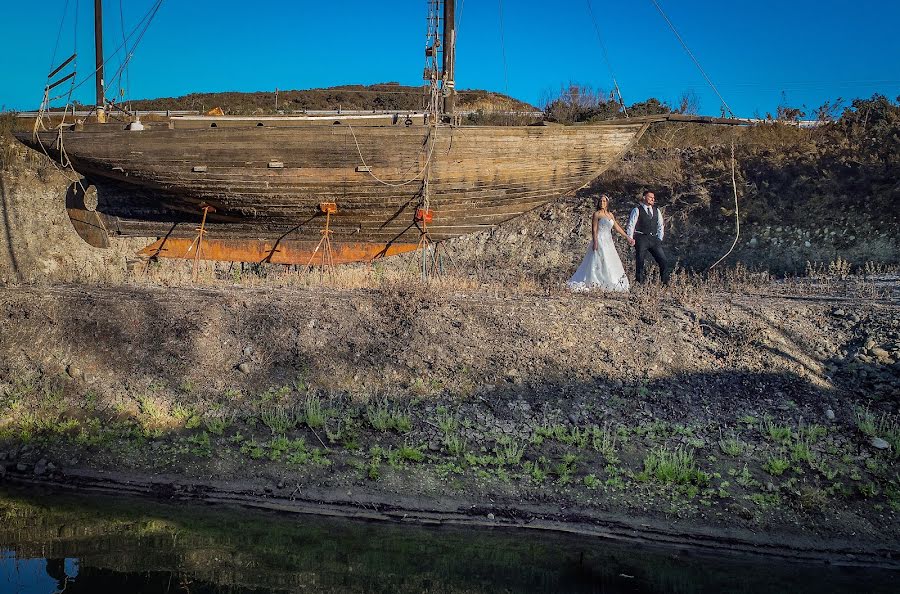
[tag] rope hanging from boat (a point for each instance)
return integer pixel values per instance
(433, 138)
(65, 163)
(737, 218)
(606, 57)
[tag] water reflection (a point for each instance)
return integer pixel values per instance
(55, 543)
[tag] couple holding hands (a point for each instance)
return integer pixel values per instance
(602, 268)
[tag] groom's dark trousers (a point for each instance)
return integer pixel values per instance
(650, 243)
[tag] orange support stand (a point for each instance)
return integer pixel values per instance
(431, 262)
(201, 231)
(324, 244)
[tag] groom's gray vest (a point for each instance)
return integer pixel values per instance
(646, 224)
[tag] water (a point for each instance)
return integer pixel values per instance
(54, 543)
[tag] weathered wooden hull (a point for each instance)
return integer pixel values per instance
(266, 182)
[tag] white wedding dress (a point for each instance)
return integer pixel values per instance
(601, 269)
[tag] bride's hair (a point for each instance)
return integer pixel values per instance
(598, 202)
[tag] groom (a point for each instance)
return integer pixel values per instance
(645, 227)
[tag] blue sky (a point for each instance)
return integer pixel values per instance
(812, 50)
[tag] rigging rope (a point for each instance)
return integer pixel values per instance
(148, 17)
(433, 135)
(728, 111)
(62, 22)
(503, 47)
(127, 58)
(691, 54)
(130, 54)
(606, 57)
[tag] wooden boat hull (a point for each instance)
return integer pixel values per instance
(266, 182)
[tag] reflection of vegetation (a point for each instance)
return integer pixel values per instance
(243, 549)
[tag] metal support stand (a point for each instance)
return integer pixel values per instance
(433, 252)
(327, 262)
(201, 232)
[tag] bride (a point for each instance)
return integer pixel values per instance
(601, 267)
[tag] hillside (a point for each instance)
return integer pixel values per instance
(384, 96)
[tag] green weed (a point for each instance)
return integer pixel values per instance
(674, 466)
(776, 465)
(604, 441)
(280, 419)
(315, 414)
(509, 451)
(216, 425)
(384, 417)
(732, 446)
(778, 433)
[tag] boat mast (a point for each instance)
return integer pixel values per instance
(98, 46)
(449, 82)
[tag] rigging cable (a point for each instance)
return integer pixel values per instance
(127, 57)
(729, 111)
(606, 57)
(130, 54)
(503, 47)
(691, 54)
(62, 22)
(151, 13)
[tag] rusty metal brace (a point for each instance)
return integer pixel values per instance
(430, 266)
(325, 243)
(201, 231)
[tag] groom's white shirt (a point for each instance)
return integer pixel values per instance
(633, 219)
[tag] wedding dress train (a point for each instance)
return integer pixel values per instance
(602, 268)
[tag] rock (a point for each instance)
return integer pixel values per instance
(244, 368)
(839, 312)
(490, 517)
(829, 414)
(770, 487)
(879, 444)
(75, 372)
(40, 469)
(51, 467)
(21, 467)
(248, 350)
(880, 354)
(434, 446)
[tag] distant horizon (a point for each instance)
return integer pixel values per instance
(758, 53)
